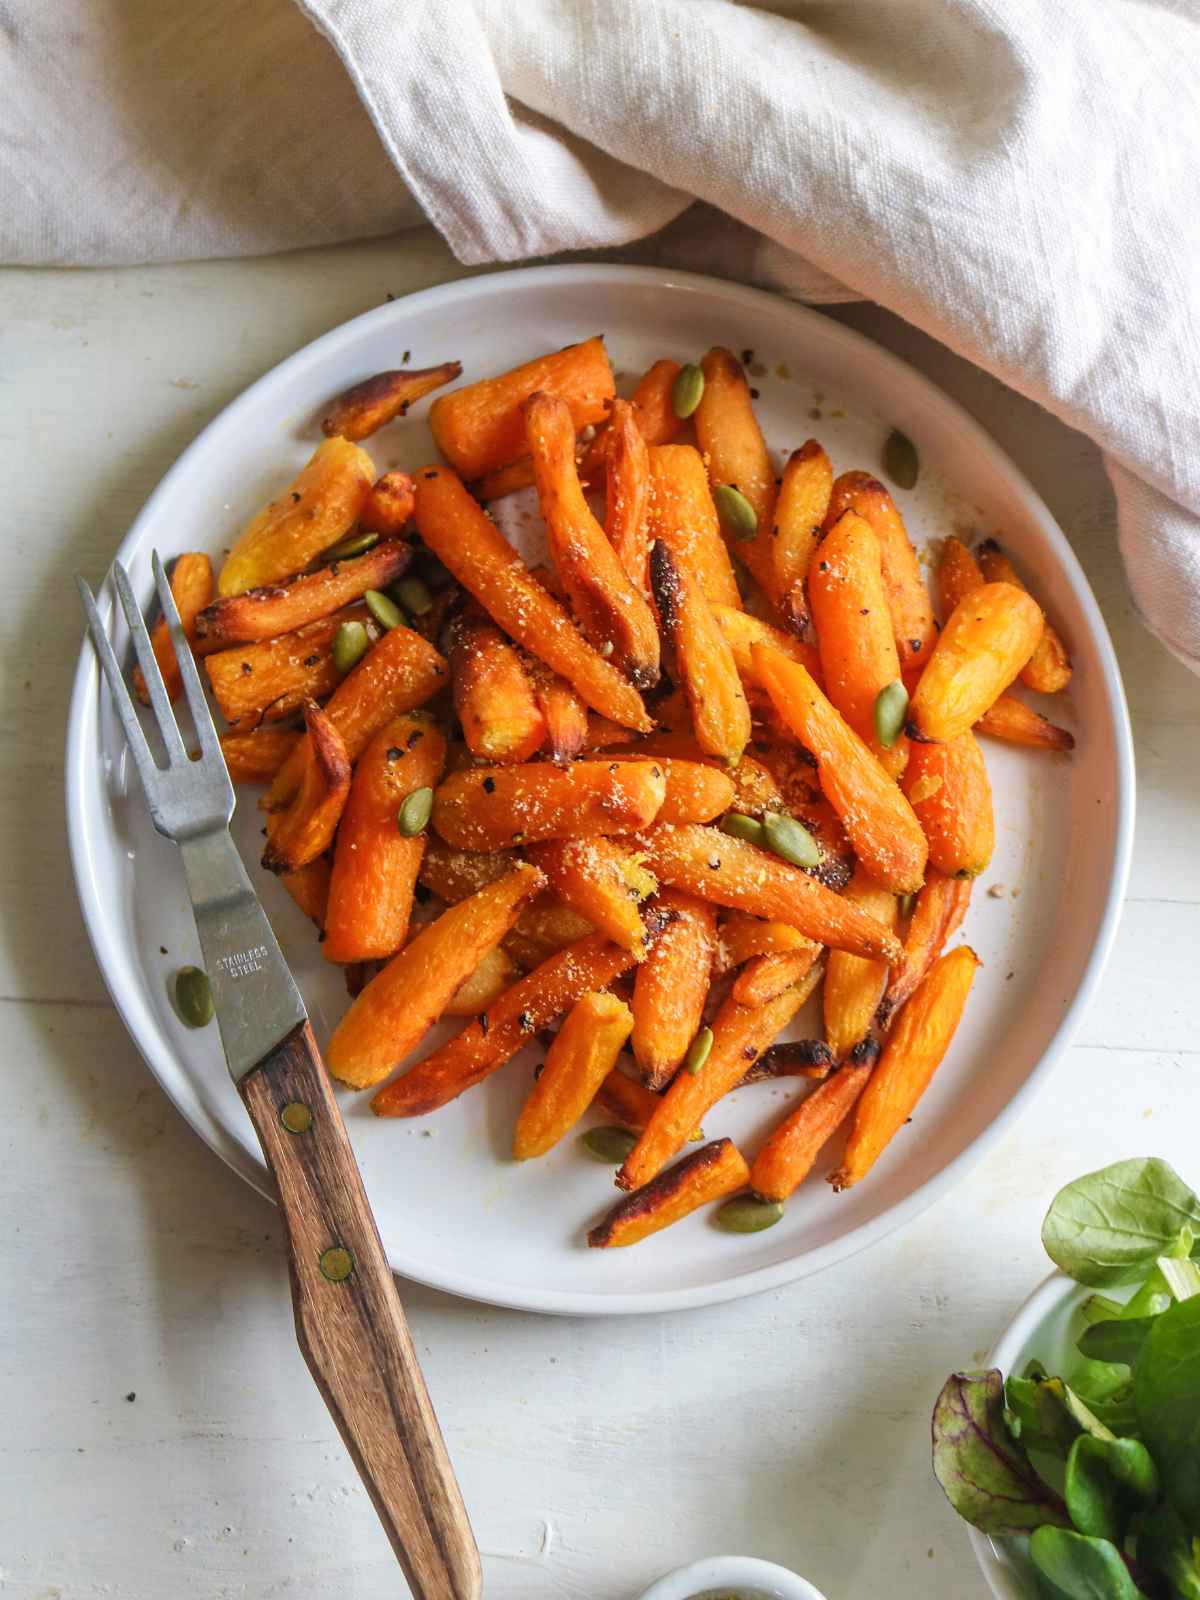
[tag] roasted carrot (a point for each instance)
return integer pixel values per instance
(947, 786)
(281, 608)
(697, 791)
(496, 972)
(740, 1034)
(854, 631)
(493, 694)
(610, 607)
(708, 1174)
(490, 808)
(454, 874)
(366, 407)
(563, 712)
(880, 822)
(908, 599)
(766, 977)
(309, 888)
(313, 512)
(703, 660)
(937, 914)
(653, 403)
(800, 511)
(801, 1058)
(627, 493)
(543, 928)
(533, 1002)
(671, 986)
(732, 443)
(388, 508)
(479, 428)
(682, 512)
(743, 937)
(1013, 721)
(791, 1151)
(456, 529)
(505, 480)
(269, 681)
(396, 1009)
(914, 1050)
(628, 1102)
(257, 755)
(191, 586)
(987, 639)
(604, 880)
(854, 987)
(584, 1052)
(730, 872)
(1048, 669)
(744, 631)
(375, 865)
(957, 574)
(300, 830)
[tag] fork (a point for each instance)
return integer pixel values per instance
(349, 1321)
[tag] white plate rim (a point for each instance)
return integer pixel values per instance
(84, 700)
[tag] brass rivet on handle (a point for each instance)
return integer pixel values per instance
(336, 1263)
(296, 1117)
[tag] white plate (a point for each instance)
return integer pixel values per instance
(453, 1211)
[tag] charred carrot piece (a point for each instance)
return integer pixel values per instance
(270, 680)
(493, 694)
(191, 586)
(732, 442)
(309, 888)
(298, 832)
(703, 659)
(563, 712)
(671, 986)
(454, 874)
(496, 972)
(533, 1002)
(1048, 670)
(987, 639)
(375, 865)
(604, 880)
(610, 607)
(791, 1151)
(914, 1050)
(800, 510)
(1013, 721)
(854, 987)
(320, 505)
(936, 917)
(765, 978)
(947, 786)
(957, 575)
(801, 1058)
(388, 508)
(257, 755)
(456, 529)
(584, 1052)
(683, 514)
(491, 808)
(880, 822)
(366, 407)
(730, 872)
(479, 428)
(627, 494)
(266, 613)
(709, 1174)
(740, 1034)
(908, 599)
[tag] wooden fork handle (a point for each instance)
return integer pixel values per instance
(350, 1324)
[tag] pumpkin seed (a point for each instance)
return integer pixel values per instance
(415, 812)
(891, 708)
(349, 646)
(413, 595)
(193, 997)
(610, 1145)
(740, 826)
(385, 610)
(791, 840)
(687, 390)
(738, 516)
(900, 460)
(747, 1213)
(354, 544)
(698, 1052)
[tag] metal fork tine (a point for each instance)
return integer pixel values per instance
(136, 739)
(202, 720)
(160, 701)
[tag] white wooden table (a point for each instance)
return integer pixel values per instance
(160, 1435)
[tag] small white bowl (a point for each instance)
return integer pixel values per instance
(1044, 1327)
(740, 1575)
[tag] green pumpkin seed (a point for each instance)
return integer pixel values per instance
(891, 708)
(698, 1052)
(354, 544)
(193, 997)
(413, 595)
(415, 812)
(737, 515)
(687, 390)
(739, 826)
(349, 646)
(610, 1145)
(791, 840)
(747, 1213)
(900, 460)
(386, 612)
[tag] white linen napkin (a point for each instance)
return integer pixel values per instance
(1016, 177)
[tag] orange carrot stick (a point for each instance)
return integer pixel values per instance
(854, 987)
(987, 639)
(584, 1052)
(947, 786)
(191, 585)
(908, 599)
(671, 986)
(490, 808)
(709, 1174)
(790, 1153)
